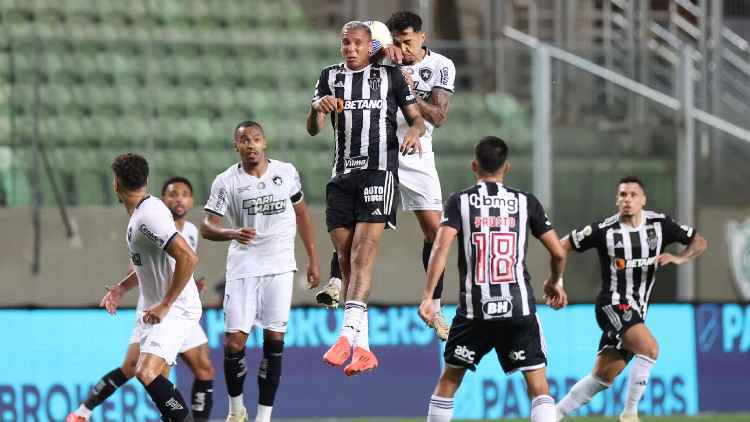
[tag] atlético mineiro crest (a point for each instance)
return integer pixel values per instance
(374, 83)
(738, 241)
(425, 73)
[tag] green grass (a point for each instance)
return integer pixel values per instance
(708, 418)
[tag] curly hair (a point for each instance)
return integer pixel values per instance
(131, 170)
(176, 179)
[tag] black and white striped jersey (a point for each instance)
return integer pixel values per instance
(365, 123)
(627, 255)
(493, 223)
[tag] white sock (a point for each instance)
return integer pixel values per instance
(637, 382)
(543, 409)
(236, 404)
(83, 411)
(435, 305)
(335, 281)
(440, 410)
(353, 312)
(362, 338)
(580, 394)
(264, 413)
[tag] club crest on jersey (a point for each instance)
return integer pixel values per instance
(277, 180)
(509, 203)
(356, 162)
(652, 241)
(425, 73)
(497, 307)
(264, 205)
(374, 83)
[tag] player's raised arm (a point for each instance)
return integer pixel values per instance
(553, 287)
(185, 262)
(323, 102)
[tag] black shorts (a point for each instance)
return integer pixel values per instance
(362, 196)
(518, 342)
(615, 320)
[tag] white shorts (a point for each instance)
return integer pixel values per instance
(262, 301)
(419, 183)
(173, 335)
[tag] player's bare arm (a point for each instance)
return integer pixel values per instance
(412, 143)
(111, 299)
(212, 229)
(307, 233)
(567, 246)
(554, 292)
(697, 246)
(316, 117)
(436, 267)
(436, 110)
(185, 262)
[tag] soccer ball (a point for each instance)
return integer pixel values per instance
(381, 36)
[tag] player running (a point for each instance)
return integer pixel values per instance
(263, 202)
(177, 195)
(630, 246)
(431, 77)
(496, 308)
(363, 100)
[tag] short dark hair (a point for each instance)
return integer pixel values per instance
(131, 170)
(491, 153)
(632, 179)
(356, 26)
(247, 123)
(404, 19)
(176, 179)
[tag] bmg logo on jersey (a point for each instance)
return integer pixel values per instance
(509, 203)
(464, 354)
(263, 205)
(373, 193)
(497, 307)
(356, 162)
(363, 104)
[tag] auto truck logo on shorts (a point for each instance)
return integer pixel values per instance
(356, 162)
(496, 307)
(264, 205)
(373, 193)
(509, 203)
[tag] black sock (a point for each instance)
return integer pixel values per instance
(202, 399)
(426, 250)
(269, 373)
(105, 387)
(335, 267)
(234, 372)
(168, 400)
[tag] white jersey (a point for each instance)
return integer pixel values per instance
(433, 71)
(265, 204)
(150, 230)
(190, 233)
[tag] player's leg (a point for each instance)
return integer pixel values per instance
(201, 396)
(520, 346)
(638, 340)
(340, 352)
(167, 398)
(441, 401)
(107, 385)
(330, 295)
(274, 306)
(429, 222)
(240, 304)
(364, 250)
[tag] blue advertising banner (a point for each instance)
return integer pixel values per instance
(723, 350)
(52, 358)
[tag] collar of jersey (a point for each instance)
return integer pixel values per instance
(347, 70)
(244, 173)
